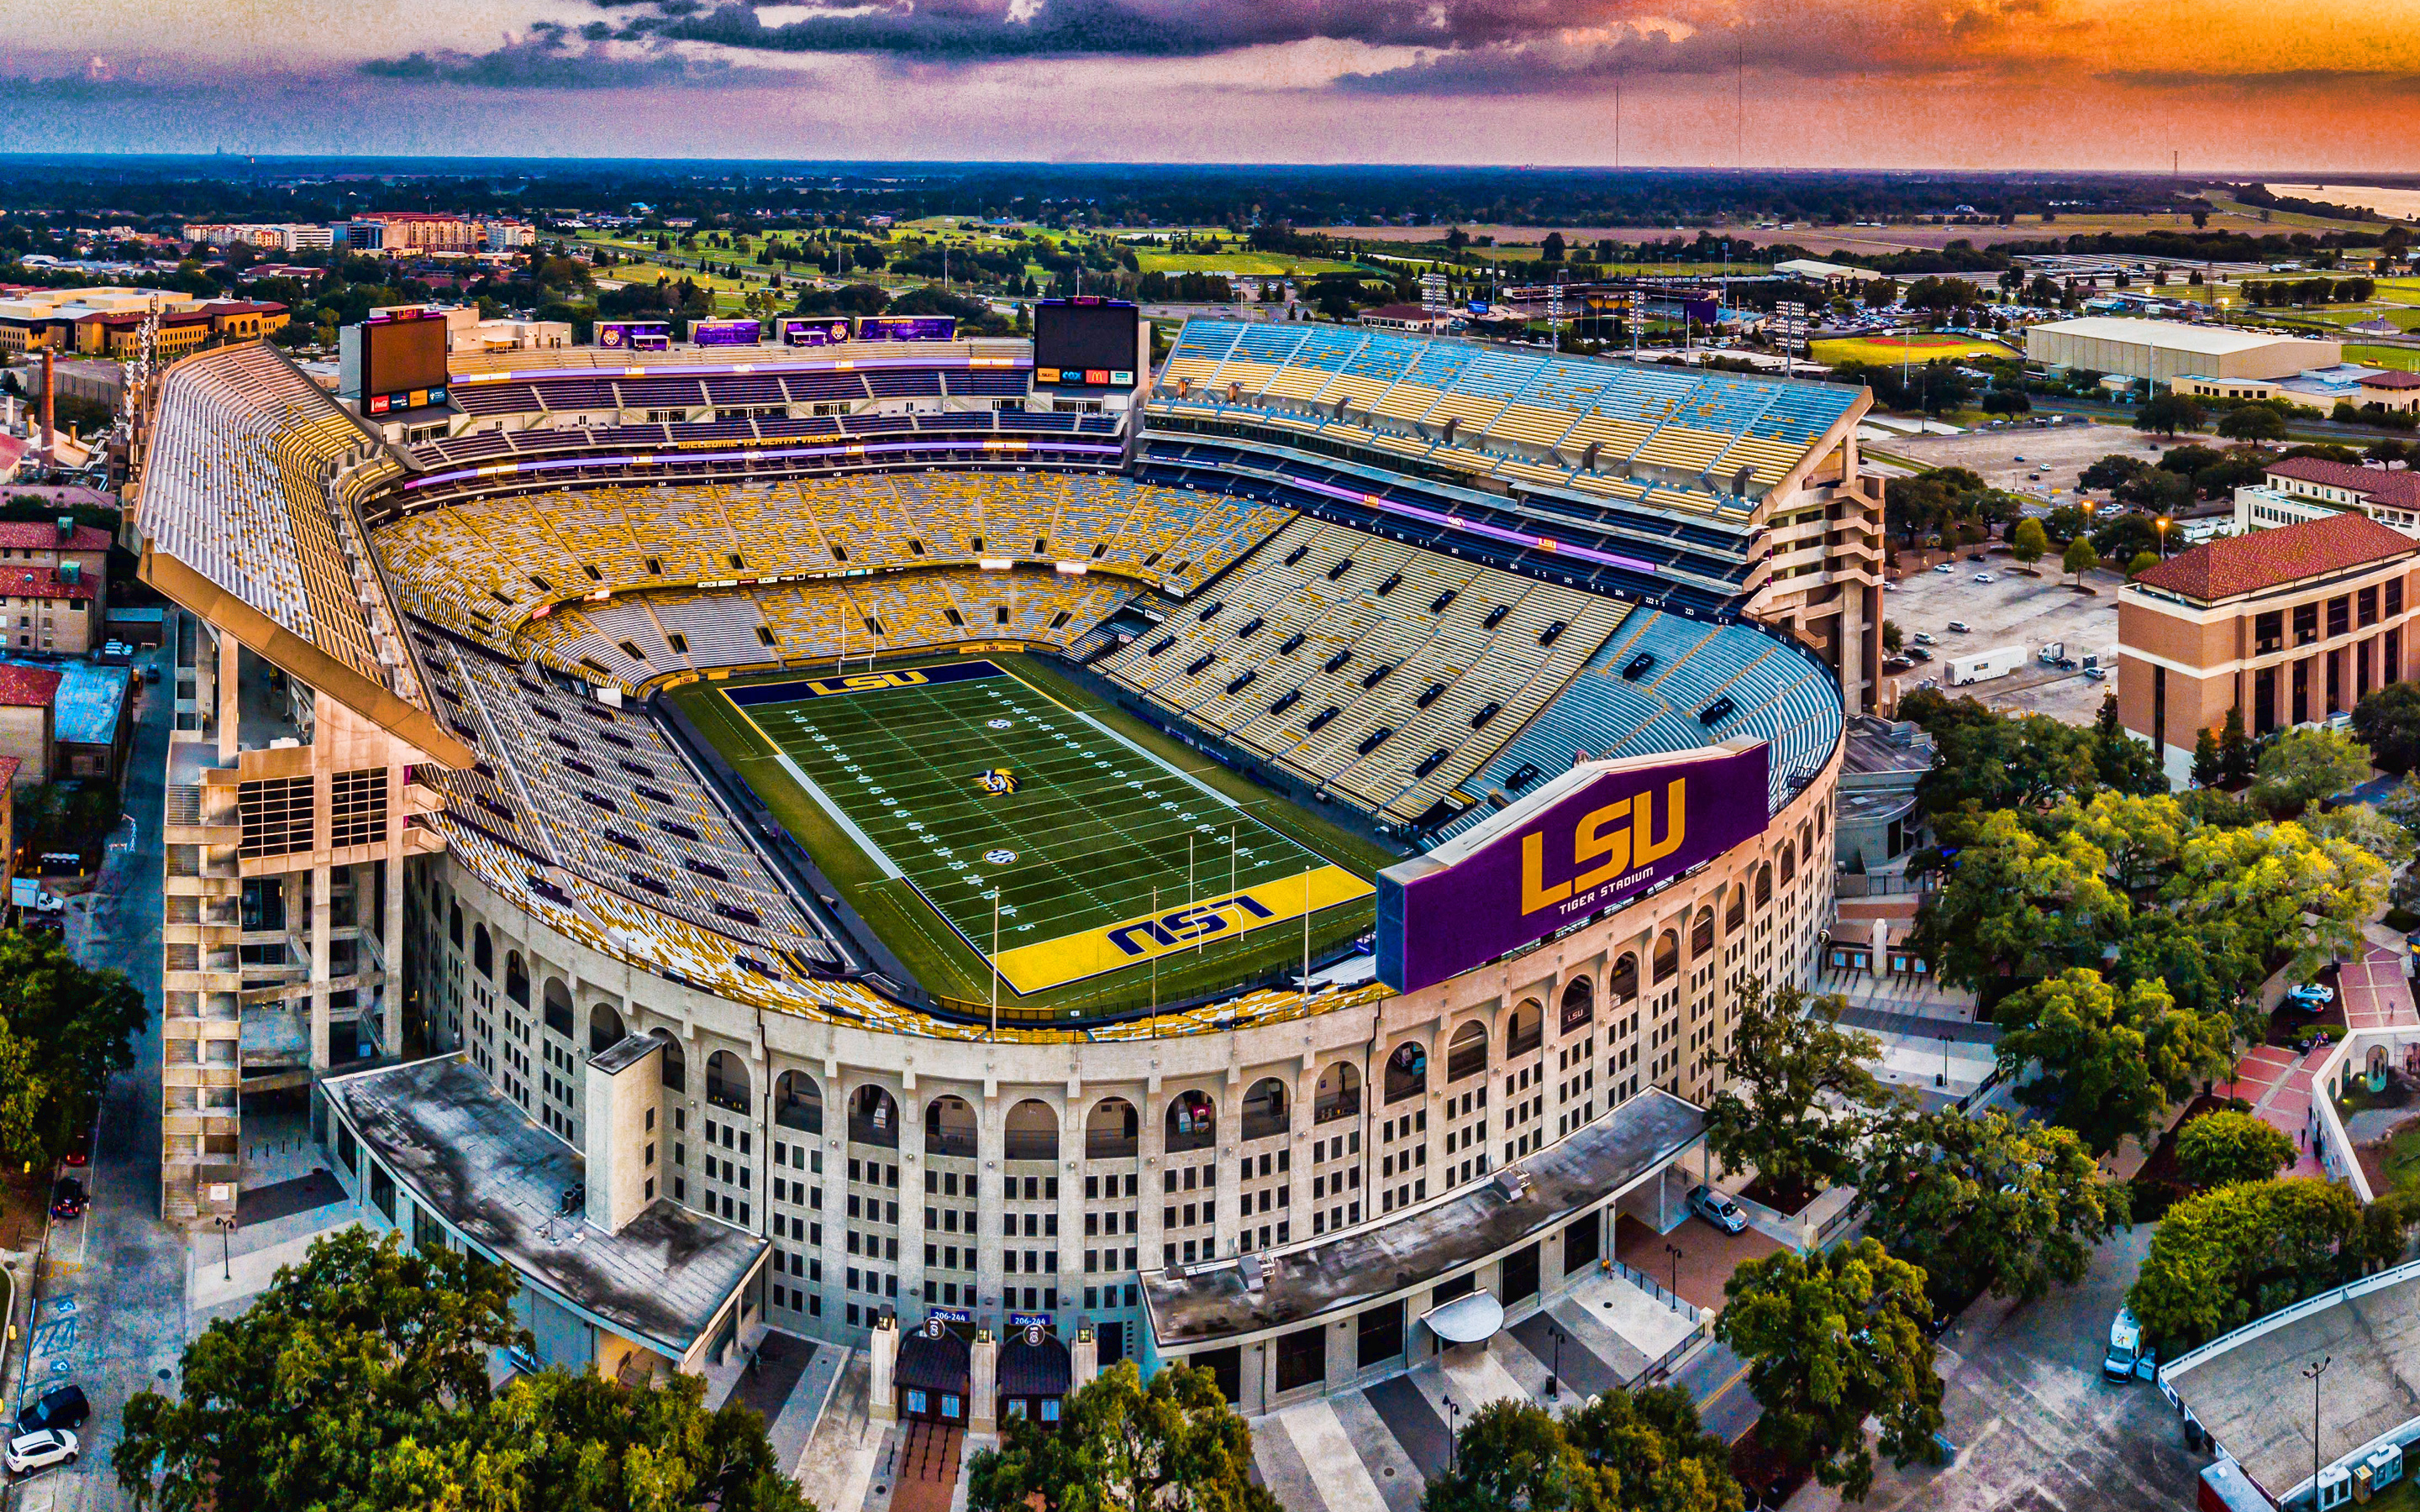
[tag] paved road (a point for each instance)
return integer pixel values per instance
(114, 1308)
(2037, 1429)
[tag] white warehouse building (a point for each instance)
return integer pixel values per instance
(2166, 351)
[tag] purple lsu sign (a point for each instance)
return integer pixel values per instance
(906, 328)
(739, 331)
(1591, 840)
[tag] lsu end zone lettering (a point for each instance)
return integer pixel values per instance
(825, 687)
(1048, 964)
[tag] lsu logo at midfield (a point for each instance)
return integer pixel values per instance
(1619, 837)
(863, 682)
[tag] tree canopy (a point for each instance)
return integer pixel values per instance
(2302, 766)
(1123, 1444)
(1987, 1203)
(1797, 1095)
(1626, 1451)
(2227, 1255)
(2224, 1148)
(2107, 1063)
(2388, 722)
(359, 1382)
(64, 1030)
(1832, 1338)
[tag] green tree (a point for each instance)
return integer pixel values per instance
(2027, 543)
(1894, 638)
(2234, 752)
(1988, 1202)
(360, 1380)
(1831, 1339)
(1514, 1454)
(2022, 903)
(2080, 558)
(1648, 1441)
(2143, 562)
(2205, 765)
(1124, 1445)
(2303, 765)
(2112, 471)
(2103, 1062)
(2170, 414)
(1798, 1096)
(2388, 722)
(2252, 423)
(2278, 890)
(69, 1028)
(2227, 1255)
(2223, 1147)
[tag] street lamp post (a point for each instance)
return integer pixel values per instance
(226, 1246)
(2312, 1373)
(1555, 1380)
(1674, 1250)
(2161, 526)
(1452, 1448)
(1942, 1080)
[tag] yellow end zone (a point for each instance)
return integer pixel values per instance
(1049, 963)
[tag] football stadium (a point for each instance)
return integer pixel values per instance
(1265, 843)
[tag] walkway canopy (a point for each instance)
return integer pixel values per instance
(1470, 1318)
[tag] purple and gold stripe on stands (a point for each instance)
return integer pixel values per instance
(937, 441)
(1472, 527)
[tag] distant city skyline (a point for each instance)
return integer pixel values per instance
(2212, 86)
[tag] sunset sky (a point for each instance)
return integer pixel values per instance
(2322, 85)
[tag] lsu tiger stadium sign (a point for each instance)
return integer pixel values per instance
(1593, 839)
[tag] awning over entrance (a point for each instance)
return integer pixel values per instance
(1040, 1369)
(1467, 1319)
(927, 1362)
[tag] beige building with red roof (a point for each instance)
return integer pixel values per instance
(2290, 624)
(2298, 488)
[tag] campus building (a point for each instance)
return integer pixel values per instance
(2292, 626)
(2170, 352)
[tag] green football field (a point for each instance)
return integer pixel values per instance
(1104, 857)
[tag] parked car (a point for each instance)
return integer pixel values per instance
(61, 1407)
(1975, 556)
(69, 1199)
(1717, 1209)
(1959, 627)
(80, 1152)
(1945, 568)
(1982, 577)
(2310, 996)
(1919, 653)
(30, 1451)
(1925, 638)
(2095, 674)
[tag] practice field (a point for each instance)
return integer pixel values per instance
(1923, 347)
(960, 780)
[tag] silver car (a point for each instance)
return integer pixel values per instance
(1717, 1209)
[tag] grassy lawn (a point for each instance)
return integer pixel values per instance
(2286, 219)
(2401, 1157)
(1922, 349)
(1241, 260)
(2375, 356)
(1101, 817)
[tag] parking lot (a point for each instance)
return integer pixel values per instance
(2014, 609)
(2058, 453)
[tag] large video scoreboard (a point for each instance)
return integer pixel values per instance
(394, 360)
(1088, 344)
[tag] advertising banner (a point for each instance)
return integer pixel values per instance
(906, 328)
(732, 332)
(1593, 839)
(633, 335)
(819, 330)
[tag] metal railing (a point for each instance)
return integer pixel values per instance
(1656, 1289)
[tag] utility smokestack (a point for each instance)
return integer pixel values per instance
(50, 407)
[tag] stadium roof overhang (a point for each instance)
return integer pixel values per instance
(299, 658)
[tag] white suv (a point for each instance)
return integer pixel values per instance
(39, 1450)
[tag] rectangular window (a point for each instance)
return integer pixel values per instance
(2269, 632)
(2307, 624)
(1302, 1358)
(2339, 614)
(2365, 607)
(357, 808)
